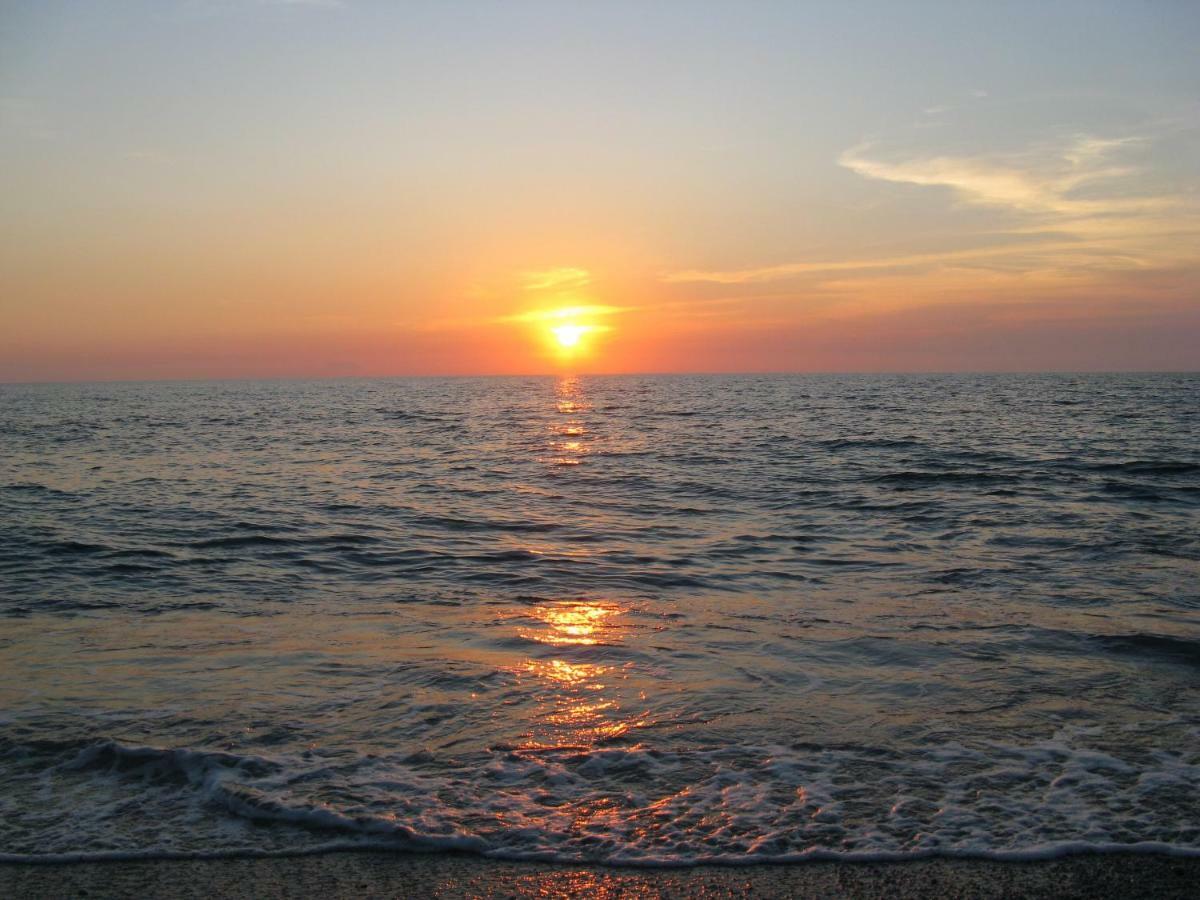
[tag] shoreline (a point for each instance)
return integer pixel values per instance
(373, 873)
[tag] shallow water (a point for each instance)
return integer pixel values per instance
(639, 619)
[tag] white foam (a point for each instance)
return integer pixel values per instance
(641, 806)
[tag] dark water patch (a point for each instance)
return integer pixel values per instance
(137, 552)
(238, 542)
(400, 415)
(914, 478)
(36, 489)
(483, 525)
(1148, 467)
(261, 526)
(1134, 491)
(844, 562)
(961, 576)
(1163, 648)
(74, 548)
(126, 568)
(868, 443)
(400, 558)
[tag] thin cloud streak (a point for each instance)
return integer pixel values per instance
(1032, 182)
(789, 270)
(1039, 188)
(566, 312)
(563, 278)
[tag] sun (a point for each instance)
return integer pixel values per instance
(569, 333)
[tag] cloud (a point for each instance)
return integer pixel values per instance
(1036, 181)
(1076, 203)
(788, 270)
(586, 311)
(582, 311)
(563, 278)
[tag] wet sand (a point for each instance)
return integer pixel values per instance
(445, 875)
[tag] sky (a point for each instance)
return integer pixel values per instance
(312, 188)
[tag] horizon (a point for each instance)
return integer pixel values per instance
(247, 189)
(564, 374)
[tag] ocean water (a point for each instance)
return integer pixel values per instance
(652, 620)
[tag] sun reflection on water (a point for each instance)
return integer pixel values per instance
(578, 704)
(566, 437)
(573, 674)
(583, 622)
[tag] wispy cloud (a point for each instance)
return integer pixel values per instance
(562, 278)
(1036, 181)
(547, 295)
(789, 270)
(1071, 202)
(584, 311)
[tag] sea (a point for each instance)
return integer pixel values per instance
(659, 620)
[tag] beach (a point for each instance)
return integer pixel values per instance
(444, 875)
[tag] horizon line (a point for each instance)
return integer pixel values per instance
(200, 379)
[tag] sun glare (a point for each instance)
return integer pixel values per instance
(571, 331)
(568, 334)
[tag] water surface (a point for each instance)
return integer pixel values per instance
(637, 619)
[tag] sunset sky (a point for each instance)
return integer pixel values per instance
(241, 188)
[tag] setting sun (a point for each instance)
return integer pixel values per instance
(568, 335)
(570, 330)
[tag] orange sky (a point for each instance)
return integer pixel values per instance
(251, 189)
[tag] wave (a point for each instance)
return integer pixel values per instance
(1149, 467)
(267, 540)
(35, 488)
(620, 805)
(1056, 850)
(793, 559)
(1155, 646)
(869, 443)
(947, 477)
